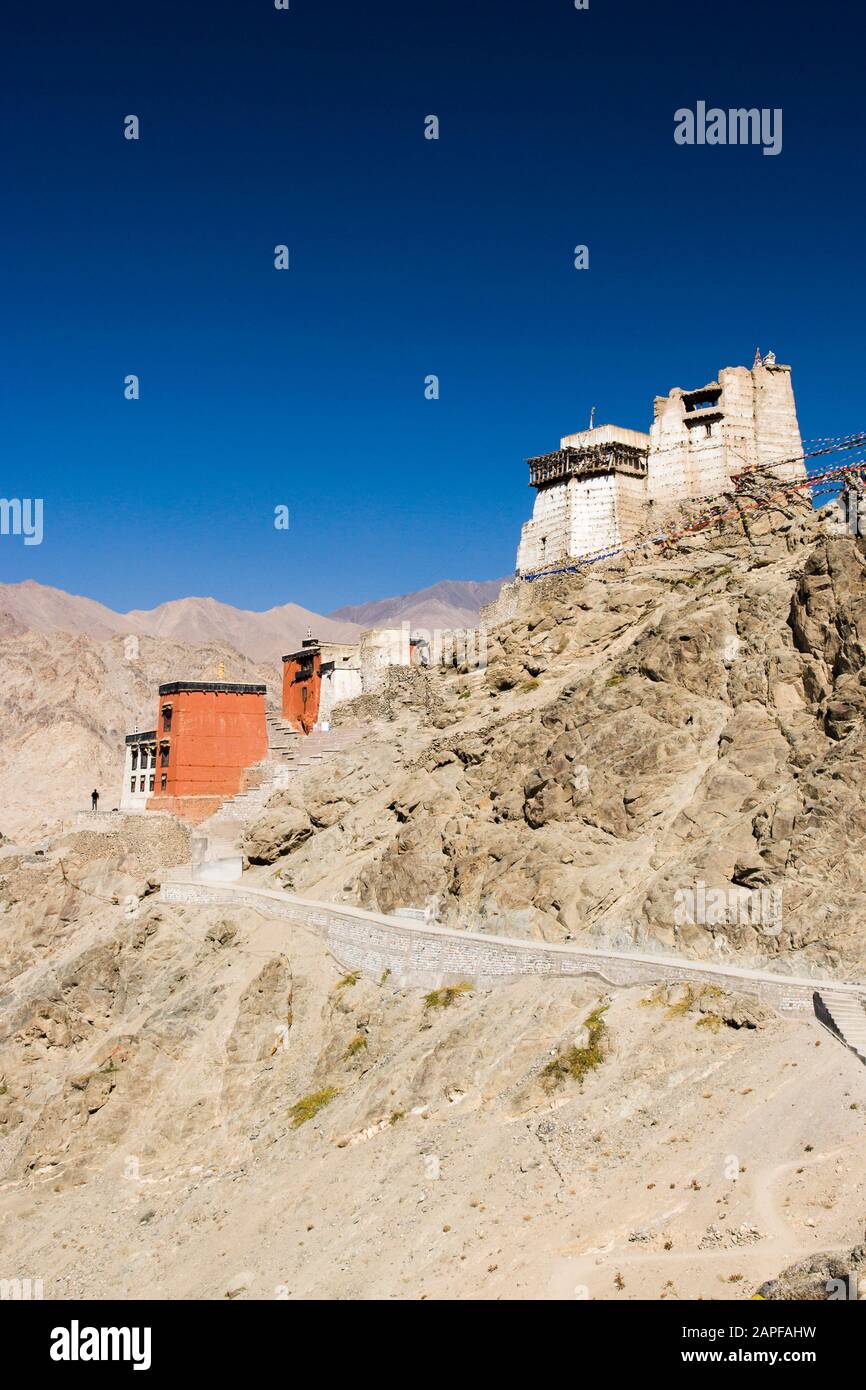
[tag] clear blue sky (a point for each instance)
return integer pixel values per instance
(409, 257)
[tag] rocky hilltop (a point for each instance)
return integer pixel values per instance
(665, 749)
(198, 1102)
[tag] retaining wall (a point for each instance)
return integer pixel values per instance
(428, 957)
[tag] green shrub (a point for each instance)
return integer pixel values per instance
(444, 998)
(576, 1062)
(308, 1106)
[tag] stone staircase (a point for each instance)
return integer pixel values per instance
(289, 754)
(274, 776)
(283, 739)
(847, 1015)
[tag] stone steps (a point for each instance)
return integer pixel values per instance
(848, 1014)
(289, 754)
(300, 751)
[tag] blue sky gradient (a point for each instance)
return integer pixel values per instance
(409, 257)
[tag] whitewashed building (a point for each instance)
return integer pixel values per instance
(139, 771)
(593, 493)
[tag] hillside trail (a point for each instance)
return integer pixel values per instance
(779, 1247)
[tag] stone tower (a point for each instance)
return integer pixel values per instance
(593, 493)
(590, 493)
(700, 439)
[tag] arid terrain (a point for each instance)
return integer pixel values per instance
(197, 1102)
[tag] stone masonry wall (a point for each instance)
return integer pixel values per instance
(428, 957)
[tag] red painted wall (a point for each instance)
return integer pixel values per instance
(212, 737)
(302, 686)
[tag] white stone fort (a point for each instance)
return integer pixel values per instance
(600, 488)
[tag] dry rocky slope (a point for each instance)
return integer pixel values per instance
(195, 1103)
(663, 721)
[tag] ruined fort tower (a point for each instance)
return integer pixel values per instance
(594, 492)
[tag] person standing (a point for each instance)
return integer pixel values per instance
(94, 801)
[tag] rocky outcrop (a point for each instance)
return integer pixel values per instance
(668, 747)
(829, 1276)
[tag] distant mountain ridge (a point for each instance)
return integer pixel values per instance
(260, 636)
(265, 636)
(452, 603)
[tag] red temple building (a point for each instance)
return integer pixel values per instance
(323, 674)
(302, 685)
(208, 734)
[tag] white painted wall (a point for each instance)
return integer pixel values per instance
(136, 800)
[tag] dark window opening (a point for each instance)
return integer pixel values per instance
(702, 400)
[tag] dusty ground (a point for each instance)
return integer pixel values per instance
(152, 1066)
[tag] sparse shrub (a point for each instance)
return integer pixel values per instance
(308, 1106)
(444, 998)
(358, 1043)
(576, 1062)
(615, 680)
(656, 997)
(690, 999)
(347, 981)
(397, 1116)
(682, 1005)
